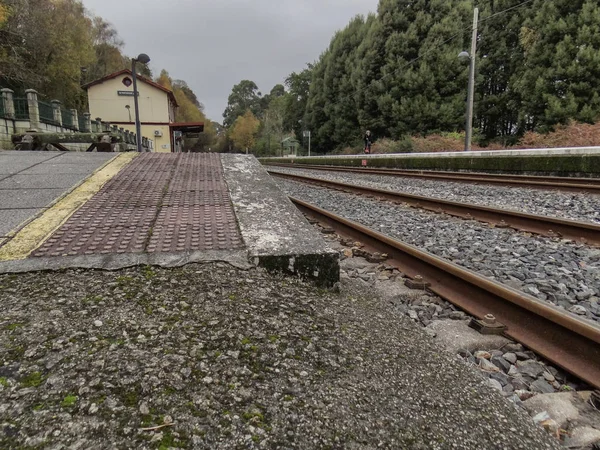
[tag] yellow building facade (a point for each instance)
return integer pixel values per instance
(111, 99)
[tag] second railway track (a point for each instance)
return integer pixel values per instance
(584, 232)
(568, 184)
(562, 338)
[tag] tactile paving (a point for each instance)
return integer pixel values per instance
(159, 203)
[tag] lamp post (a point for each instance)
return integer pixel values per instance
(144, 59)
(471, 94)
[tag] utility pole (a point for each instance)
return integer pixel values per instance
(472, 57)
(144, 59)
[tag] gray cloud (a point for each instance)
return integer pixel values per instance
(213, 44)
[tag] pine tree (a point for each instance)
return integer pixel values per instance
(561, 80)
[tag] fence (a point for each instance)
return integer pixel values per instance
(21, 115)
(21, 109)
(83, 125)
(68, 120)
(47, 113)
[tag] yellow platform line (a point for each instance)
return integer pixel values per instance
(41, 228)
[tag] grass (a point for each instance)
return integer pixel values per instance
(69, 401)
(148, 272)
(92, 299)
(4, 381)
(14, 326)
(32, 380)
(130, 398)
(168, 441)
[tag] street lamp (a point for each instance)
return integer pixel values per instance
(144, 59)
(128, 111)
(471, 94)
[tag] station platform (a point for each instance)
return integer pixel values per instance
(109, 212)
(162, 352)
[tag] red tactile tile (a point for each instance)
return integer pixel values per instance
(159, 203)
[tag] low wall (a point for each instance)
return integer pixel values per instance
(8, 127)
(551, 163)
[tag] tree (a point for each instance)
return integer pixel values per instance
(189, 111)
(298, 85)
(561, 75)
(43, 45)
(4, 12)
(244, 96)
(108, 50)
(273, 127)
(244, 131)
(331, 111)
(189, 93)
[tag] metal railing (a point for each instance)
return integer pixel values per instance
(21, 109)
(68, 120)
(82, 124)
(46, 113)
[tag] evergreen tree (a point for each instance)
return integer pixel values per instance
(298, 85)
(244, 96)
(561, 80)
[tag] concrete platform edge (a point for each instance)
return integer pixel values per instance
(237, 258)
(276, 234)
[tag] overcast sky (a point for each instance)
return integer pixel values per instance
(214, 44)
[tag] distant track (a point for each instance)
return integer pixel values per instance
(584, 232)
(536, 182)
(562, 338)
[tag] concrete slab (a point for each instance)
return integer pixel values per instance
(559, 406)
(28, 157)
(12, 218)
(28, 198)
(52, 168)
(582, 437)
(237, 258)
(32, 181)
(276, 234)
(162, 204)
(54, 181)
(83, 157)
(10, 167)
(456, 335)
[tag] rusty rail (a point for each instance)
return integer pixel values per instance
(560, 337)
(584, 232)
(556, 183)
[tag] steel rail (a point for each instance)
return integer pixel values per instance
(559, 337)
(584, 232)
(555, 183)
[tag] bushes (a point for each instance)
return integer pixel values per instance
(390, 146)
(571, 135)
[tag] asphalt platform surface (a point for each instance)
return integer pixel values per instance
(207, 356)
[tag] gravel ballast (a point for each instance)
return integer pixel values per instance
(210, 356)
(567, 205)
(561, 272)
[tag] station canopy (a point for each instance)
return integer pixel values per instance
(187, 127)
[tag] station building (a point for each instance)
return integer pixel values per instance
(111, 99)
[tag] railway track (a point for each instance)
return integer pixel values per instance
(589, 185)
(560, 337)
(584, 232)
